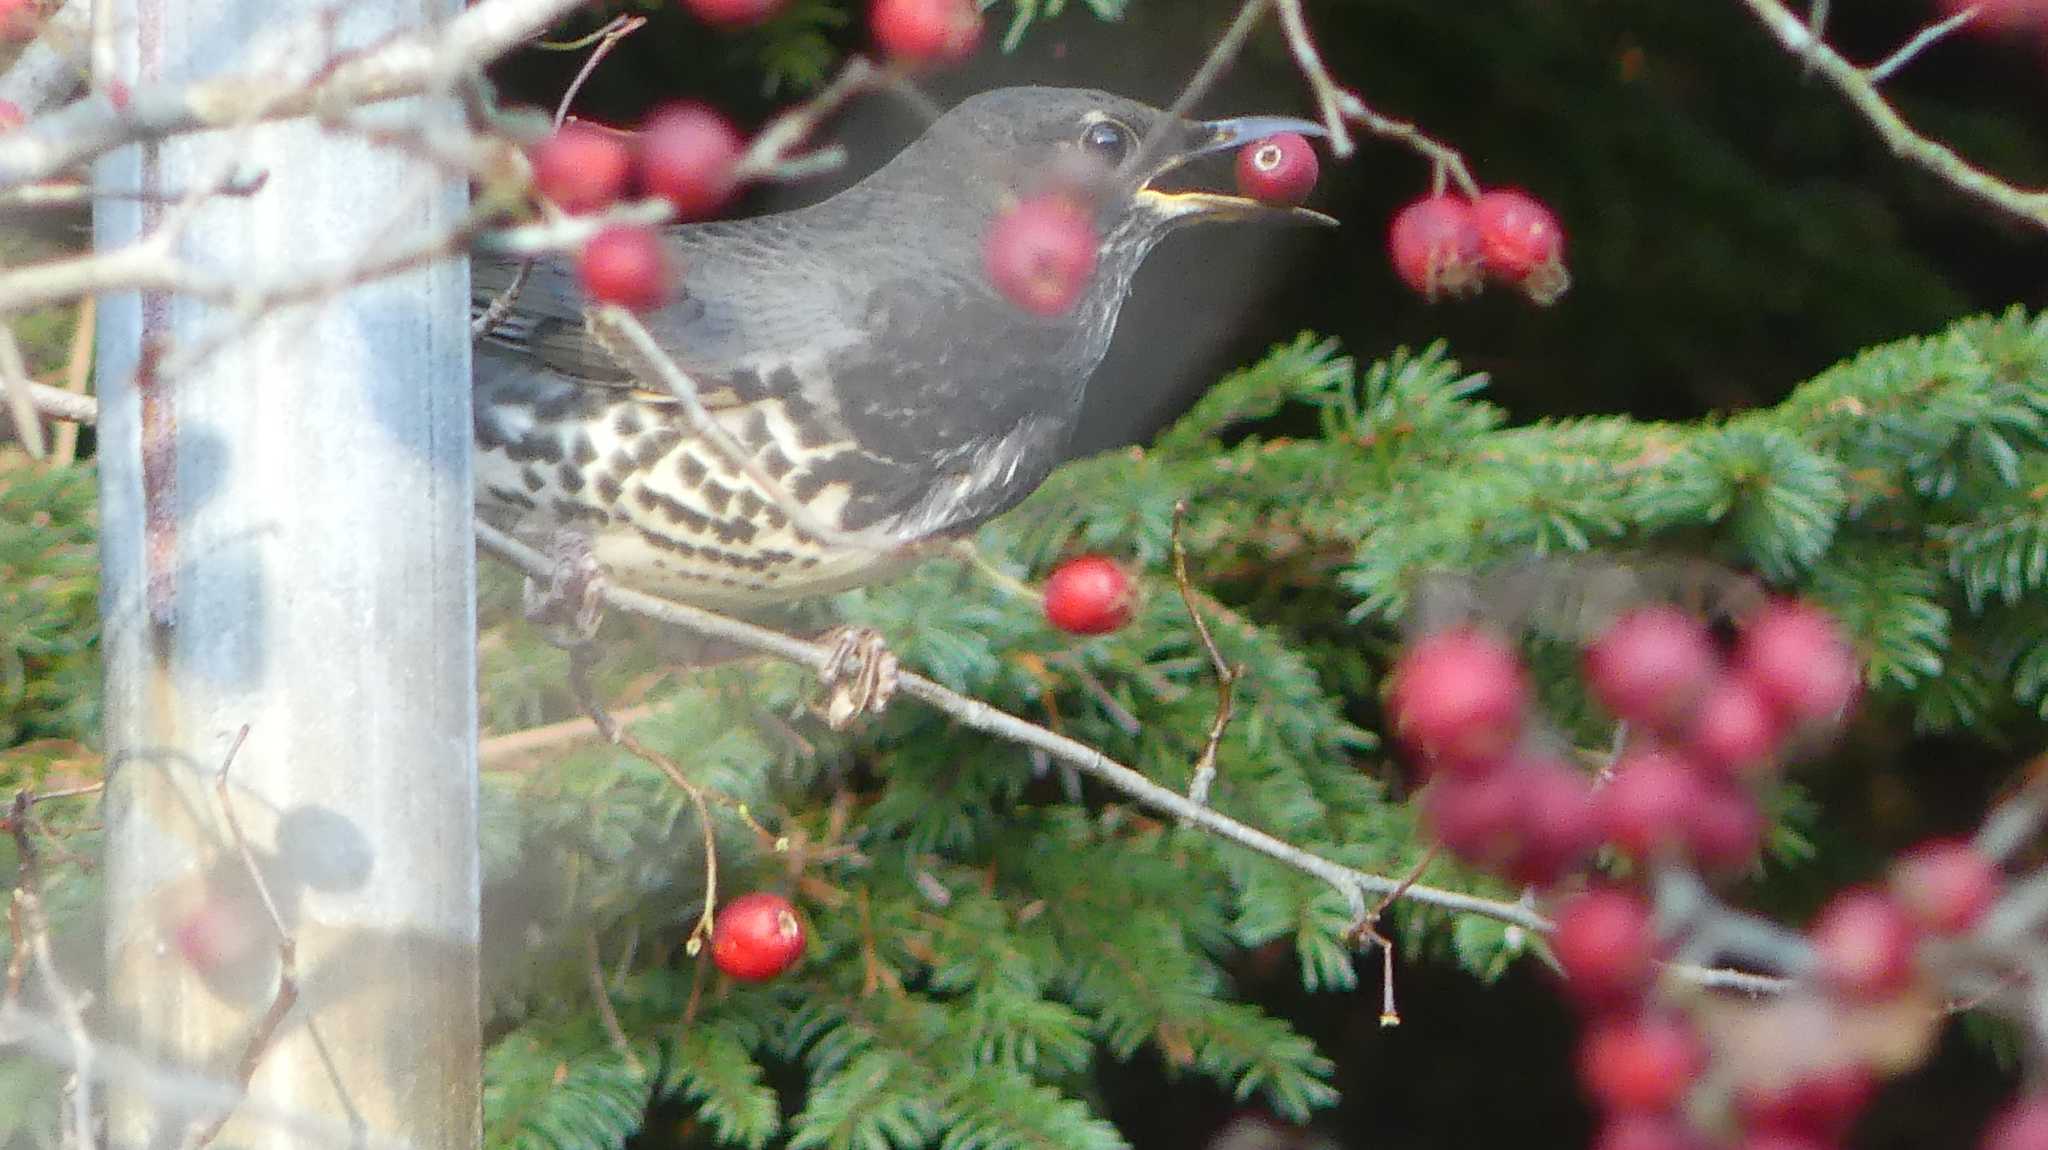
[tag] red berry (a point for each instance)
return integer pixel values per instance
(733, 13)
(1821, 1106)
(1651, 664)
(688, 154)
(1797, 658)
(2020, 1126)
(1279, 169)
(581, 168)
(18, 19)
(1781, 1140)
(625, 266)
(2002, 15)
(1472, 816)
(1088, 595)
(1522, 243)
(1435, 245)
(1647, 808)
(1863, 942)
(923, 32)
(1642, 1064)
(1734, 729)
(1646, 1132)
(1459, 697)
(1607, 946)
(1555, 832)
(1726, 830)
(11, 116)
(1041, 253)
(1530, 820)
(1947, 887)
(756, 937)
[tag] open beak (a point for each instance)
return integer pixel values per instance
(1207, 138)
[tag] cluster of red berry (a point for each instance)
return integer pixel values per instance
(1448, 245)
(1707, 729)
(690, 155)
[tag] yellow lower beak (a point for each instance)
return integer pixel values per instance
(1201, 207)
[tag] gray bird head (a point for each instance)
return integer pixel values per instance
(1002, 144)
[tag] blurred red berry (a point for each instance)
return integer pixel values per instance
(1727, 830)
(1821, 1106)
(1651, 664)
(625, 266)
(1473, 815)
(1863, 942)
(1734, 729)
(1530, 820)
(11, 116)
(581, 168)
(1781, 1140)
(1642, 1064)
(1522, 243)
(19, 19)
(1434, 243)
(1646, 809)
(1088, 595)
(756, 937)
(733, 13)
(1040, 253)
(1607, 946)
(688, 156)
(1279, 169)
(1947, 886)
(2002, 15)
(2021, 1126)
(926, 32)
(1459, 697)
(1646, 1132)
(1556, 832)
(1798, 659)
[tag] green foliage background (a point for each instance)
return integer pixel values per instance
(997, 949)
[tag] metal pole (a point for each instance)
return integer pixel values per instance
(287, 544)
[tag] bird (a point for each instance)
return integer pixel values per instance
(854, 348)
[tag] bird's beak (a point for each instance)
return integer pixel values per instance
(1206, 138)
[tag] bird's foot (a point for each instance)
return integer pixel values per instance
(862, 674)
(568, 609)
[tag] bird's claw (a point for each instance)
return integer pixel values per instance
(569, 608)
(862, 674)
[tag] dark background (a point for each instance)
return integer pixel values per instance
(1734, 228)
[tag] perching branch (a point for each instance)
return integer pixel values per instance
(1859, 85)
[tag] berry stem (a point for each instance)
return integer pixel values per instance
(1226, 674)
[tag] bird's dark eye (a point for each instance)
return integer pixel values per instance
(1107, 140)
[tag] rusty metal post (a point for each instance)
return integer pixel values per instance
(287, 545)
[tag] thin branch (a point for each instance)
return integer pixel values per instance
(1861, 91)
(1880, 72)
(982, 717)
(1226, 674)
(287, 994)
(507, 751)
(77, 371)
(14, 384)
(396, 68)
(606, 1012)
(33, 927)
(57, 403)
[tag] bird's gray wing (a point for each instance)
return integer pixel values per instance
(753, 312)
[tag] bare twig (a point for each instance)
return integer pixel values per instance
(1860, 88)
(14, 381)
(287, 994)
(606, 1012)
(608, 37)
(33, 928)
(57, 403)
(77, 369)
(507, 751)
(1880, 72)
(1226, 674)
